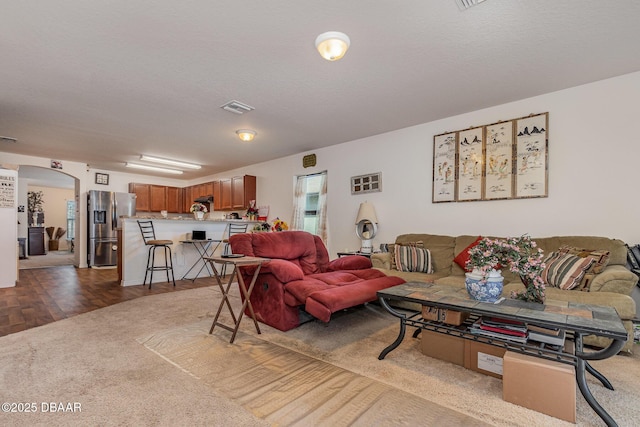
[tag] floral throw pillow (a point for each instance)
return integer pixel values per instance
(565, 271)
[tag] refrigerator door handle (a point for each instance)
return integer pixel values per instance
(114, 213)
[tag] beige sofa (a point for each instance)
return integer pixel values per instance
(611, 287)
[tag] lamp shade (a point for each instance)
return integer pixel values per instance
(366, 212)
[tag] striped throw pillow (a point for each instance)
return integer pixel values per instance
(565, 271)
(413, 258)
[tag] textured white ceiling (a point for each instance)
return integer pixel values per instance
(103, 82)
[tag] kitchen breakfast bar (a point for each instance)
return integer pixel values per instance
(187, 251)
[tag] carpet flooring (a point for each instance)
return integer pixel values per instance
(285, 387)
(97, 360)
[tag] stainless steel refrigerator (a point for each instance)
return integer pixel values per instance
(104, 210)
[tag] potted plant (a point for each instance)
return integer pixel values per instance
(521, 255)
(198, 210)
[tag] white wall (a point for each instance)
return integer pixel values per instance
(593, 152)
(593, 156)
(9, 238)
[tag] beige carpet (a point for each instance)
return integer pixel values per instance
(96, 359)
(285, 387)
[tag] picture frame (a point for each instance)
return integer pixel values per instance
(102, 178)
(470, 164)
(498, 182)
(531, 156)
(444, 167)
(368, 183)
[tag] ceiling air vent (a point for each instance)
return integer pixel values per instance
(237, 107)
(7, 139)
(466, 4)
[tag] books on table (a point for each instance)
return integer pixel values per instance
(518, 332)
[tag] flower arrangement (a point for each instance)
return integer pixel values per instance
(521, 255)
(252, 210)
(198, 207)
(279, 225)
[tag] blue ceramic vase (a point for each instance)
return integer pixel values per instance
(488, 290)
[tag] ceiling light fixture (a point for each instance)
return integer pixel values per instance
(246, 134)
(332, 45)
(169, 162)
(152, 168)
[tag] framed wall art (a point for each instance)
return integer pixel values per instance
(444, 168)
(470, 164)
(498, 182)
(531, 156)
(366, 183)
(102, 178)
(504, 160)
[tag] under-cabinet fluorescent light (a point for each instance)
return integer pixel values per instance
(152, 168)
(169, 162)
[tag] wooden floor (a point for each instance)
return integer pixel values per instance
(44, 295)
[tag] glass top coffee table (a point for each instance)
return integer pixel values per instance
(576, 320)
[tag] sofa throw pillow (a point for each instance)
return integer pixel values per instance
(601, 257)
(565, 271)
(462, 258)
(418, 244)
(413, 258)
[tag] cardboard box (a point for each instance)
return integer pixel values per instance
(443, 347)
(483, 358)
(450, 317)
(539, 384)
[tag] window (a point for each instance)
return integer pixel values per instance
(310, 204)
(71, 219)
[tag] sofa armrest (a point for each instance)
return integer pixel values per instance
(350, 262)
(381, 260)
(614, 278)
(283, 270)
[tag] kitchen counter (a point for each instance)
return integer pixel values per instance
(177, 229)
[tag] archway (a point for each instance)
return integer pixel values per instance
(63, 188)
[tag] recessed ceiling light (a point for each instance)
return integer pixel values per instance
(152, 168)
(246, 134)
(169, 162)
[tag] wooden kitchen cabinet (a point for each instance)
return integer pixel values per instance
(143, 196)
(243, 190)
(187, 200)
(158, 197)
(174, 200)
(225, 194)
(217, 196)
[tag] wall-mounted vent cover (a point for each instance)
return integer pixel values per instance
(7, 139)
(237, 107)
(466, 4)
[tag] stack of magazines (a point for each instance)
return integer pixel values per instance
(547, 335)
(504, 329)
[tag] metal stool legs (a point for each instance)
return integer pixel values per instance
(151, 267)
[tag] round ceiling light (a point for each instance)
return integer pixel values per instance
(246, 134)
(332, 45)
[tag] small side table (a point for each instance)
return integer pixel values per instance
(367, 254)
(202, 246)
(246, 292)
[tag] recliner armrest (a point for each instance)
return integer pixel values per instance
(283, 270)
(350, 262)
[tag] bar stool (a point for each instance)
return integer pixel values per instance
(149, 237)
(233, 229)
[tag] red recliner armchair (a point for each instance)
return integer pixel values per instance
(300, 276)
